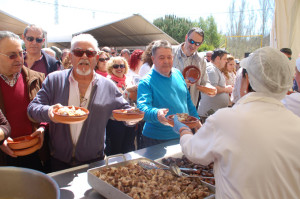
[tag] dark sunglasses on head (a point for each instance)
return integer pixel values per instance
(116, 66)
(80, 52)
(193, 42)
(38, 40)
(13, 55)
(103, 60)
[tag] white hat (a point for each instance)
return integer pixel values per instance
(298, 64)
(269, 72)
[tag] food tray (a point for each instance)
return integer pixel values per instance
(109, 191)
(176, 155)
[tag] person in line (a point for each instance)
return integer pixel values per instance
(292, 101)
(186, 55)
(229, 73)
(241, 86)
(65, 53)
(162, 92)
(80, 143)
(119, 136)
(255, 144)
(49, 51)
(18, 86)
(58, 53)
(113, 52)
(101, 67)
(126, 54)
(135, 64)
(4, 128)
(208, 58)
(35, 58)
(147, 61)
(208, 105)
(288, 53)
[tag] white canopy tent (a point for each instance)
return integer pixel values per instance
(286, 26)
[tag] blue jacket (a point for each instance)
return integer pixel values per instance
(104, 98)
(155, 92)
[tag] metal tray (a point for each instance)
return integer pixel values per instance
(109, 191)
(176, 155)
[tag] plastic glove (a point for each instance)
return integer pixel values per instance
(178, 125)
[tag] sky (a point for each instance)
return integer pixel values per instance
(77, 15)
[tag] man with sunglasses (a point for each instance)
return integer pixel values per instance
(186, 55)
(18, 86)
(35, 58)
(80, 143)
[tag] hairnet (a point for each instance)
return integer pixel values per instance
(269, 72)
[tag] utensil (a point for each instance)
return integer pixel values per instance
(176, 170)
(150, 165)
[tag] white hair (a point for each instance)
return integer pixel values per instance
(84, 37)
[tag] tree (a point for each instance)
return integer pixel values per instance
(267, 8)
(174, 26)
(211, 35)
(248, 21)
(241, 24)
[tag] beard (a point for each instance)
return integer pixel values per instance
(83, 71)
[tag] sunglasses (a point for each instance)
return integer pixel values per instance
(103, 60)
(193, 42)
(38, 40)
(13, 55)
(116, 66)
(80, 52)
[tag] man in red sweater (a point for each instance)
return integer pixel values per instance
(18, 86)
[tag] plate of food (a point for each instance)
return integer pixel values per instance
(207, 90)
(185, 118)
(191, 73)
(70, 114)
(24, 145)
(128, 115)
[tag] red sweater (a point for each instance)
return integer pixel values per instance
(16, 100)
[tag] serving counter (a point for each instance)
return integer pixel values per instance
(73, 182)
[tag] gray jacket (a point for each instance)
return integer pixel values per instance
(104, 98)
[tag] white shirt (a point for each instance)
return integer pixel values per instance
(255, 149)
(132, 78)
(292, 102)
(145, 68)
(74, 99)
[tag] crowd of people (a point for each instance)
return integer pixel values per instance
(248, 124)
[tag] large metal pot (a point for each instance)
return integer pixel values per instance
(25, 183)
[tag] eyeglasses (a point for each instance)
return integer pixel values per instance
(13, 55)
(103, 60)
(80, 52)
(116, 66)
(38, 40)
(193, 42)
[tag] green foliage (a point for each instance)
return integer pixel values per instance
(174, 26)
(211, 35)
(206, 47)
(178, 27)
